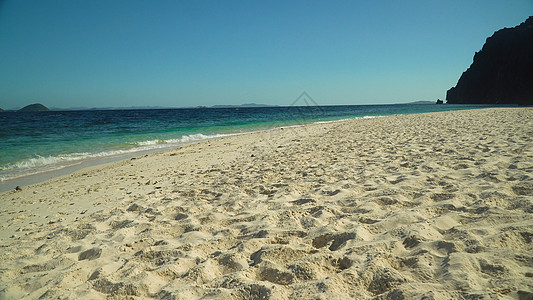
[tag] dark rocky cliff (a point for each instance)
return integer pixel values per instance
(502, 72)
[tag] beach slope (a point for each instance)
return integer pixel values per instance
(433, 206)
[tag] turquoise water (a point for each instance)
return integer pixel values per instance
(35, 142)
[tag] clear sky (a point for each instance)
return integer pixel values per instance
(99, 53)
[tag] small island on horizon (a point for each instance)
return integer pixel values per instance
(34, 107)
(28, 108)
(40, 107)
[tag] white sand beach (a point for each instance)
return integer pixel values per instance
(425, 206)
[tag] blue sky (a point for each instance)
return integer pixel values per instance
(186, 53)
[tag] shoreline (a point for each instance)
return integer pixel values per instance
(7, 185)
(423, 205)
(45, 160)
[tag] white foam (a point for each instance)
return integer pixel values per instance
(150, 142)
(196, 137)
(40, 164)
(343, 120)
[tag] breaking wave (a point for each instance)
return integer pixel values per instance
(40, 164)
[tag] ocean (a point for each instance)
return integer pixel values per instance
(33, 143)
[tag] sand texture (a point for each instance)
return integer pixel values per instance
(427, 206)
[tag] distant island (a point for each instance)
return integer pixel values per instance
(34, 107)
(40, 107)
(502, 72)
(78, 108)
(160, 107)
(243, 105)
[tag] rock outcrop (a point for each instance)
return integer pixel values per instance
(502, 72)
(34, 107)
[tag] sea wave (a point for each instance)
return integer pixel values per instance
(147, 143)
(348, 119)
(183, 140)
(40, 164)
